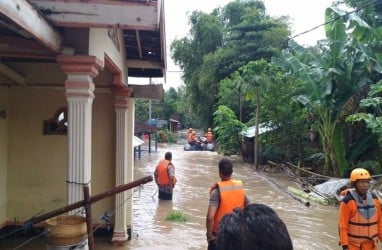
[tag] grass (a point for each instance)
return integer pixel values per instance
(177, 216)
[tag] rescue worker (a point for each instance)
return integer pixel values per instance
(164, 176)
(225, 196)
(191, 136)
(209, 136)
(360, 222)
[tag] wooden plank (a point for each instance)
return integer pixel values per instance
(25, 16)
(12, 75)
(144, 64)
(148, 91)
(100, 14)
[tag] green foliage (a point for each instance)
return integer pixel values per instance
(232, 93)
(370, 11)
(373, 120)
(176, 216)
(174, 105)
(220, 43)
(287, 118)
(165, 135)
(226, 130)
(331, 78)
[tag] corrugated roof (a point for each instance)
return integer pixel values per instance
(251, 131)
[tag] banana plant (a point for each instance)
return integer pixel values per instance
(331, 73)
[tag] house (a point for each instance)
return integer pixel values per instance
(174, 125)
(67, 108)
(248, 141)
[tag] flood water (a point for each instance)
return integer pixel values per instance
(313, 227)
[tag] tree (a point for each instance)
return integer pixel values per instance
(252, 73)
(227, 130)
(331, 77)
(373, 119)
(242, 32)
(232, 94)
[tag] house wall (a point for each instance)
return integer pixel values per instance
(3, 155)
(103, 153)
(101, 44)
(38, 163)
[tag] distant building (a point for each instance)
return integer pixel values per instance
(174, 125)
(248, 141)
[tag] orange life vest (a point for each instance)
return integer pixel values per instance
(232, 196)
(190, 137)
(209, 136)
(363, 225)
(163, 178)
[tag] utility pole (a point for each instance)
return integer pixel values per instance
(150, 103)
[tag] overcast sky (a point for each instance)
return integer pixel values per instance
(304, 14)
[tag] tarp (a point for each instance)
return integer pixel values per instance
(332, 186)
(137, 142)
(251, 131)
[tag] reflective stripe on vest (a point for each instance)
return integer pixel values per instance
(232, 196)
(163, 178)
(364, 225)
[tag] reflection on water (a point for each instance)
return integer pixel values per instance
(313, 227)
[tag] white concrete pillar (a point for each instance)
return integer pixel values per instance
(79, 86)
(123, 201)
(130, 157)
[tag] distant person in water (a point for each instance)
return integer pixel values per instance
(255, 227)
(164, 176)
(209, 136)
(191, 136)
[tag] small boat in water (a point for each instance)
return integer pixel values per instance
(200, 144)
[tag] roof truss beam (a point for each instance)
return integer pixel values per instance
(25, 16)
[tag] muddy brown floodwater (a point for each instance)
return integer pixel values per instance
(313, 227)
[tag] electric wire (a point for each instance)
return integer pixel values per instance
(335, 19)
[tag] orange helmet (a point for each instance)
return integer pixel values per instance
(359, 174)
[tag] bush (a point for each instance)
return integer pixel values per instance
(166, 135)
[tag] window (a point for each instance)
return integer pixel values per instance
(58, 125)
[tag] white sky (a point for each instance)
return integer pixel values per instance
(304, 14)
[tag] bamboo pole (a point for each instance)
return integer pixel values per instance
(82, 203)
(89, 224)
(308, 196)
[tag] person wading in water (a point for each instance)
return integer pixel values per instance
(225, 196)
(164, 176)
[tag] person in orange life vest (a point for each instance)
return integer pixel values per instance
(191, 136)
(360, 222)
(209, 136)
(225, 196)
(164, 176)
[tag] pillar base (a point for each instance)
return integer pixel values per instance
(120, 238)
